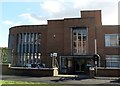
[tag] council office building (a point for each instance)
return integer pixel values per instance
(75, 41)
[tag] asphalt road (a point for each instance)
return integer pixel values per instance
(67, 79)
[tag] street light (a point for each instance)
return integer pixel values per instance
(53, 56)
(96, 58)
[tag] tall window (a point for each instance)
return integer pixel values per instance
(112, 40)
(28, 48)
(113, 61)
(79, 41)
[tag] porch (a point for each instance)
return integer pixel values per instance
(77, 64)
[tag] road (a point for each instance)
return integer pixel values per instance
(66, 79)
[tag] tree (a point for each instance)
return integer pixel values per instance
(3, 55)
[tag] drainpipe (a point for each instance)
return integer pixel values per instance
(95, 46)
(96, 52)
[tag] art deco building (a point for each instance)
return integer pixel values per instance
(75, 40)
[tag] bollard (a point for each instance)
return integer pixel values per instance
(92, 72)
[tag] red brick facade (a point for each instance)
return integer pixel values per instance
(56, 37)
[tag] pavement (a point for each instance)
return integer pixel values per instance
(67, 79)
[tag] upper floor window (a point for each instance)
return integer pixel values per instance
(79, 41)
(26, 38)
(112, 40)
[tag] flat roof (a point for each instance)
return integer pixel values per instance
(79, 56)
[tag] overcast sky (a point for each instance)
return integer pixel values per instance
(32, 12)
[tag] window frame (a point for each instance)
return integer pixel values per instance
(108, 41)
(112, 60)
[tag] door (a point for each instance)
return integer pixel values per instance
(79, 66)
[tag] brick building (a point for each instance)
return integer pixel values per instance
(75, 40)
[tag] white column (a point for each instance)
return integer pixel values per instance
(95, 46)
(96, 53)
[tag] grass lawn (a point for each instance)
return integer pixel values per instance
(22, 83)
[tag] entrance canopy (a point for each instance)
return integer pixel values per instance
(72, 63)
(79, 56)
(76, 63)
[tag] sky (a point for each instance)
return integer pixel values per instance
(37, 12)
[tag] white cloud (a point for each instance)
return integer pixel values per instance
(33, 19)
(8, 22)
(54, 6)
(3, 44)
(109, 9)
(71, 8)
(21, 0)
(55, 9)
(11, 23)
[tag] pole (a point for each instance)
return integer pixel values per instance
(95, 46)
(95, 58)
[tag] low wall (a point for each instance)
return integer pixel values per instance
(108, 72)
(101, 72)
(5, 69)
(22, 71)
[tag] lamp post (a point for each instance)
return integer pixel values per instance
(96, 58)
(53, 56)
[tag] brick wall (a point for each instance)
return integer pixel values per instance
(108, 72)
(29, 71)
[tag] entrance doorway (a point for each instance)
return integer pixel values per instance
(76, 64)
(79, 66)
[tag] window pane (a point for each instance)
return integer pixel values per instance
(119, 40)
(113, 61)
(112, 40)
(107, 40)
(79, 41)
(28, 48)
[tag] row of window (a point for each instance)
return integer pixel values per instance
(112, 40)
(28, 42)
(29, 38)
(113, 61)
(28, 48)
(29, 58)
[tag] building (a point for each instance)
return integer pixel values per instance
(75, 40)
